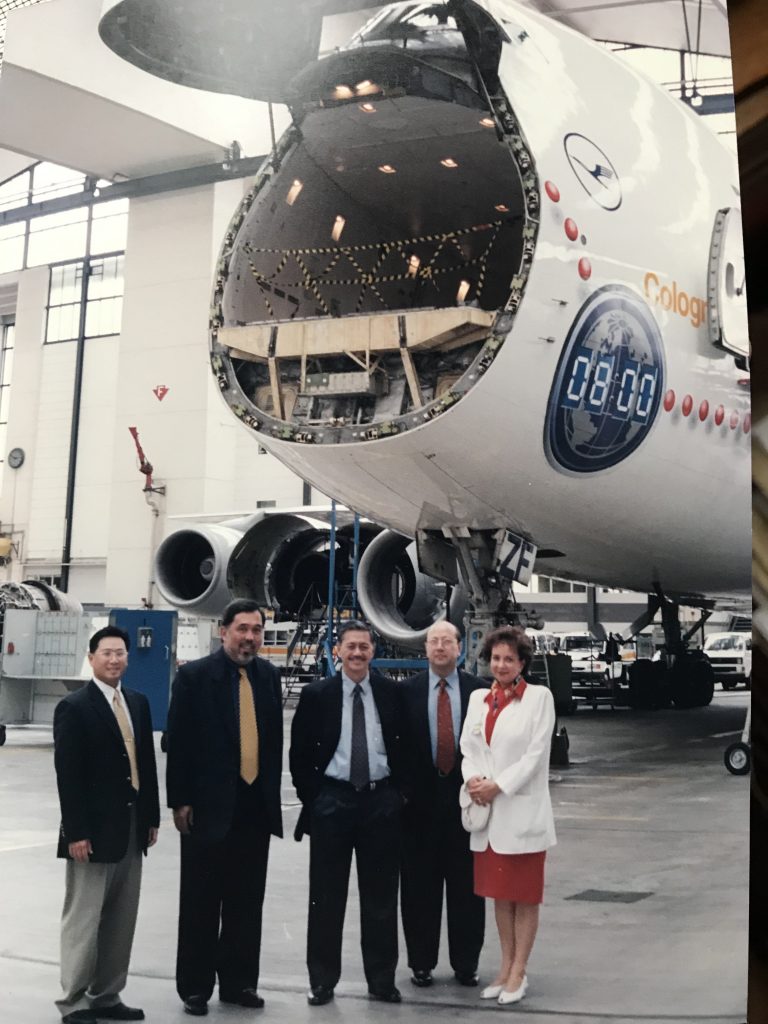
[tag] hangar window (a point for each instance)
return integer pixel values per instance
(103, 299)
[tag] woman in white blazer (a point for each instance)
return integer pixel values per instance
(505, 743)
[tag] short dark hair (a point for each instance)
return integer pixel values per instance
(242, 606)
(102, 634)
(355, 626)
(515, 637)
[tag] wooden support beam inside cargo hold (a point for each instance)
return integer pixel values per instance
(443, 329)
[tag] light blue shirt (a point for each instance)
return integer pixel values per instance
(339, 765)
(454, 693)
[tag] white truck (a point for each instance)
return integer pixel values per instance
(730, 655)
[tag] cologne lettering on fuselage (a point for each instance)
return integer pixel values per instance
(674, 298)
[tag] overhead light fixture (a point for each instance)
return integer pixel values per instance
(293, 192)
(367, 108)
(338, 227)
(502, 208)
(463, 291)
(413, 265)
(388, 169)
(342, 92)
(487, 122)
(366, 88)
(449, 162)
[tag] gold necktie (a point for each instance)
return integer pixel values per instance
(249, 732)
(122, 720)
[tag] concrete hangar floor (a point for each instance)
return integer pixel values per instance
(644, 919)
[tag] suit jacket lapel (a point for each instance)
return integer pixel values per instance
(221, 681)
(335, 698)
(421, 705)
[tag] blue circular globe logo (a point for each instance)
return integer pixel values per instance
(608, 384)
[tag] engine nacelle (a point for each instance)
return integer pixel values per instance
(283, 563)
(398, 600)
(191, 565)
(37, 594)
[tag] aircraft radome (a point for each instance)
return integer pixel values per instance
(489, 292)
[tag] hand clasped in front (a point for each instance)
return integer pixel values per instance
(483, 791)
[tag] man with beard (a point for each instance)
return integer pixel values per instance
(225, 740)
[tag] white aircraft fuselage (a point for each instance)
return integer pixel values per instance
(595, 416)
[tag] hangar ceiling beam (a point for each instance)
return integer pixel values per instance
(151, 184)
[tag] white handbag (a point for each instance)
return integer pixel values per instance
(474, 817)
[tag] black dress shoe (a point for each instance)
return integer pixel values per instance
(423, 979)
(80, 1017)
(118, 1011)
(245, 997)
(385, 995)
(319, 995)
(468, 978)
(196, 1006)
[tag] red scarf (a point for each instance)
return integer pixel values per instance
(497, 699)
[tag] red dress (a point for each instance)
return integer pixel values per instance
(518, 877)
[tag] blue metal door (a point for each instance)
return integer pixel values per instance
(152, 657)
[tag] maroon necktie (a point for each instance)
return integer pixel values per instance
(446, 744)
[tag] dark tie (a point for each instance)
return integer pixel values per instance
(358, 760)
(446, 744)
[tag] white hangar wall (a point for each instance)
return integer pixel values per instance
(208, 463)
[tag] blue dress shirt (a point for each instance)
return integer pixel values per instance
(339, 765)
(454, 693)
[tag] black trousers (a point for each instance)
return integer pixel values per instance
(368, 823)
(436, 855)
(222, 893)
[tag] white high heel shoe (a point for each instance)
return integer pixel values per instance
(506, 998)
(491, 992)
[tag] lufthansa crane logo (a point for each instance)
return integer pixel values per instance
(594, 171)
(608, 385)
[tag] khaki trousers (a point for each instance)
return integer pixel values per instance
(101, 902)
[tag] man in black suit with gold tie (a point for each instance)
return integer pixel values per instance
(436, 852)
(110, 814)
(225, 742)
(345, 766)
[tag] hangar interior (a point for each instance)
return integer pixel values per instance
(116, 189)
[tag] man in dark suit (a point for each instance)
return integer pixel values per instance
(344, 762)
(225, 744)
(435, 846)
(110, 814)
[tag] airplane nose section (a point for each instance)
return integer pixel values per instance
(368, 280)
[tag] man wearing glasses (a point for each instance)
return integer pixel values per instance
(436, 852)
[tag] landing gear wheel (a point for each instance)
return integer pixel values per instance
(691, 682)
(164, 742)
(647, 691)
(738, 758)
(727, 685)
(2, 735)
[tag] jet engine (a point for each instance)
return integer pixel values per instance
(283, 562)
(33, 594)
(191, 565)
(398, 600)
